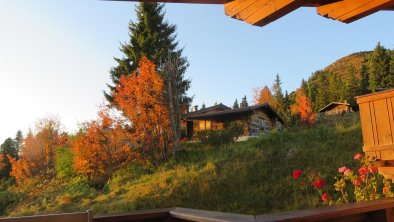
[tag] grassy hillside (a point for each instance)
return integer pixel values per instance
(252, 177)
(341, 66)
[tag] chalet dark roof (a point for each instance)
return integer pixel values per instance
(208, 109)
(230, 111)
(331, 105)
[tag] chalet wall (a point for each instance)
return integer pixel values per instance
(339, 109)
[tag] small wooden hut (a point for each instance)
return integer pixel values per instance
(337, 108)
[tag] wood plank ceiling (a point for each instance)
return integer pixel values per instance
(263, 12)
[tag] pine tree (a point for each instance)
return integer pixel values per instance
(18, 139)
(153, 38)
(236, 105)
(278, 95)
(391, 78)
(351, 85)
(244, 102)
(203, 106)
(364, 79)
(379, 66)
(8, 149)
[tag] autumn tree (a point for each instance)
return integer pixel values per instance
(303, 108)
(38, 148)
(262, 95)
(140, 97)
(20, 170)
(102, 146)
(151, 36)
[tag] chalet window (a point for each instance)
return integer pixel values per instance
(202, 125)
(208, 125)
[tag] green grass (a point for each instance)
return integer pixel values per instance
(252, 177)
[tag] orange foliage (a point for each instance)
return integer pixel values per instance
(103, 147)
(303, 108)
(263, 95)
(2, 164)
(20, 169)
(39, 148)
(140, 97)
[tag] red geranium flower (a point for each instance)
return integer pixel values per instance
(319, 183)
(373, 169)
(324, 197)
(356, 182)
(297, 174)
(363, 170)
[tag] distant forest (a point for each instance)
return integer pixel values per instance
(353, 75)
(356, 74)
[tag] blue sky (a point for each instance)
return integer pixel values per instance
(55, 55)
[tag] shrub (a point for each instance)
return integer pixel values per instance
(6, 198)
(79, 186)
(220, 137)
(64, 162)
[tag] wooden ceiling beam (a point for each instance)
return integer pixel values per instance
(179, 1)
(350, 10)
(261, 12)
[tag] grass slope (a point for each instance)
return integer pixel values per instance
(252, 177)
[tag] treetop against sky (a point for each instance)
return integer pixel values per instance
(55, 57)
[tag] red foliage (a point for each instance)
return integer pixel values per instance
(103, 147)
(140, 97)
(303, 108)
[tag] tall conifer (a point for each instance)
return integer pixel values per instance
(153, 37)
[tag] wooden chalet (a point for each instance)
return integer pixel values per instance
(254, 120)
(337, 108)
(263, 12)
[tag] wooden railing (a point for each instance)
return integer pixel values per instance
(373, 211)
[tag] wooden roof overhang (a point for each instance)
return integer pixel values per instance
(263, 12)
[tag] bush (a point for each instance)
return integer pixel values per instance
(79, 186)
(6, 198)
(220, 137)
(64, 162)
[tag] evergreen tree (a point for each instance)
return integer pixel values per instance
(236, 105)
(351, 85)
(7, 148)
(278, 95)
(244, 102)
(364, 79)
(153, 38)
(379, 66)
(18, 139)
(391, 78)
(203, 106)
(322, 96)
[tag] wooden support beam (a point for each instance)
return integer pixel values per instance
(261, 12)
(351, 10)
(179, 1)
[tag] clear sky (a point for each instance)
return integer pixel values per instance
(55, 55)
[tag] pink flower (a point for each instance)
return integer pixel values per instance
(342, 169)
(356, 182)
(363, 170)
(319, 183)
(347, 172)
(324, 197)
(358, 156)
(373, 169)
(297, 174)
